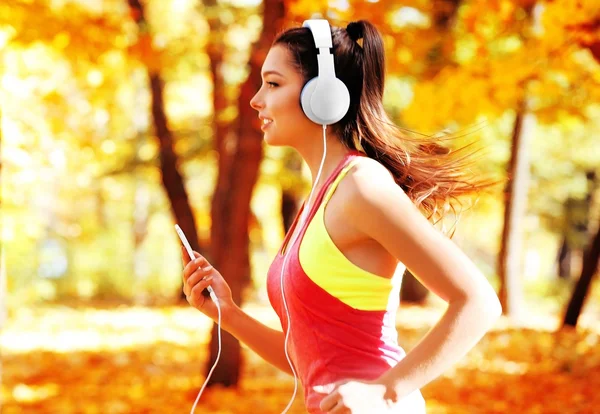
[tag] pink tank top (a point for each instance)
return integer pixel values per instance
(330, 340)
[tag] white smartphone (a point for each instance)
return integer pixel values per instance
(208, 291)
(185, 242)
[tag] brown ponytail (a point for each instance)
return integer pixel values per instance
(431, 174)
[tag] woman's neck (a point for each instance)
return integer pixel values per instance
(312, 154)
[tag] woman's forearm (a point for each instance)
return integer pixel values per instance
(268, 343)
(463, 324)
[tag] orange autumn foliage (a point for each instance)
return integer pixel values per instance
(142, 360)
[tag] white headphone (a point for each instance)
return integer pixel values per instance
(324, 99)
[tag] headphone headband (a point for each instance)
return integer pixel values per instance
(321, 32)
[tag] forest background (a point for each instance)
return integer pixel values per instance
(120, 118)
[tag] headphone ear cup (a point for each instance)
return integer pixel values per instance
(340, 97)
(325, 102)
(305, 97)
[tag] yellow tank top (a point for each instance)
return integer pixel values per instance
(327, 266)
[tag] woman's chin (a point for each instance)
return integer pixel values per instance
(272, 140)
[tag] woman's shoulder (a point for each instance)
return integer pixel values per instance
(373, 202)
(368, 177)
(368, 187)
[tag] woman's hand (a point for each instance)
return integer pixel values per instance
(198, 274)
(357, 397)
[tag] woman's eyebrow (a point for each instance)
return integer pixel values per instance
(271, 72)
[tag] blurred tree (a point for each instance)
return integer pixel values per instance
(577, 217)
(515, 206)
(66, 59)
(585, 28)
(232, 206)
(289, 209)
(443, 13)
(591, 258)
(290, 199)
(223, 134)
(509, 53)
(74, 29)
(171, 177)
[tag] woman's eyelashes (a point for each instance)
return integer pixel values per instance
(270, 85)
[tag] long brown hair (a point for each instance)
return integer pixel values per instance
(432, 175)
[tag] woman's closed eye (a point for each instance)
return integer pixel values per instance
(272, 84)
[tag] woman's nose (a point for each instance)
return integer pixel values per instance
(255, 102)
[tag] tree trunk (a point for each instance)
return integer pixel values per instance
(222, 133)
(412, 290)
(443, 15)
(289, 199)
(590, 264)
(289, 209)
(564, 260)
(590, 257)
(171, 178)
(232, 205)
(515, 193)
(577, 217)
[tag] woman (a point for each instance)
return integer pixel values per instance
(342, 264)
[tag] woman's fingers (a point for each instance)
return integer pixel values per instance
(340, 410)
(186, 257)
(196, 292)
(193, 265)
(335, 407)
(330, 401)
(195, 278)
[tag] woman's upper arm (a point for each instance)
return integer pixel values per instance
(382, 211)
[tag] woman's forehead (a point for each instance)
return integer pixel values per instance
(278, 60)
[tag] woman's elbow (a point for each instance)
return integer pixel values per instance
(489, 306)
(484, 303)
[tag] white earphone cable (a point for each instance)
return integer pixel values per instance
(216, 301)
(290, 243)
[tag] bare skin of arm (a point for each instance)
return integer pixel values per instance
(268, 343)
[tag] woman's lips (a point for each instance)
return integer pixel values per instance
(266, 123)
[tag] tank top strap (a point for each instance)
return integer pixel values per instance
(347, 167)
(319, 200)
(334, 178)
